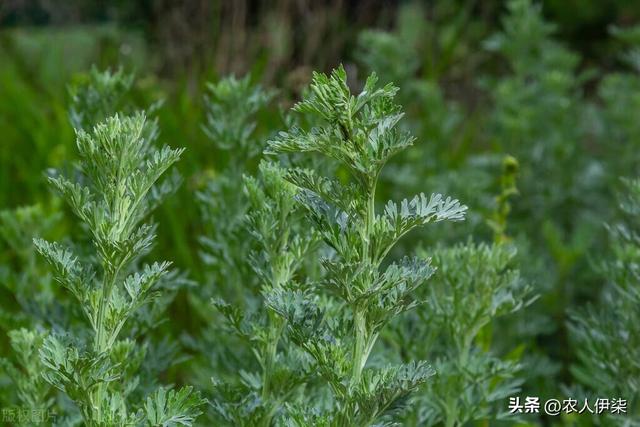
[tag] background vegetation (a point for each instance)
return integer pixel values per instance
(527, 112)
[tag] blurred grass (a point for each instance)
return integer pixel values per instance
(36, 65)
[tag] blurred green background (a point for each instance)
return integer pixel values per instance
(556, 87)
(175, 47)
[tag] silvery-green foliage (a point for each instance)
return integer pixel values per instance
(172, 408)
(117, 186)
(399, 56)
(257, 398)
(97, 95)
(607, 334)
(402, 56)
(563, 184)
(474, 286)
(94, 96)
(360, 133)
(27, 289)
(543, 87)
(231, 109)
(556, 172)
(27, 383)
(100, 94)
(618, 92)
(29, 302)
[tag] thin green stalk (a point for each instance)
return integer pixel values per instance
(361, 345)
(359, 349)
(101, 344)
(276, 325)
(450, 420)
(97, 344)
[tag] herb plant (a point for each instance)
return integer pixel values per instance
(444, 130)
(562, 183)
(98, 95)
(42, 302)
(297, 295)
(30, 303)
(95, 366)
(608, 334)
(282, 247)
(544, 86)
(27, 289)
(475, 285)
(231, 109)
(231, 125)
(339, 333)
(254, 246)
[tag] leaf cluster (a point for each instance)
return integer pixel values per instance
(360, 133)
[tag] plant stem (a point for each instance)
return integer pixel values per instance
(360, 352)
(369, 220)
(276, 324)
(362, 345)
(450, 421)
(100, 342)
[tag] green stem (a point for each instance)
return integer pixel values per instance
(276, 324)
(360, 353)
(451, 420)
(100, 343)
(363, 342)
(369, 221)
(451, 414)
(360, 349)
(275, 327)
